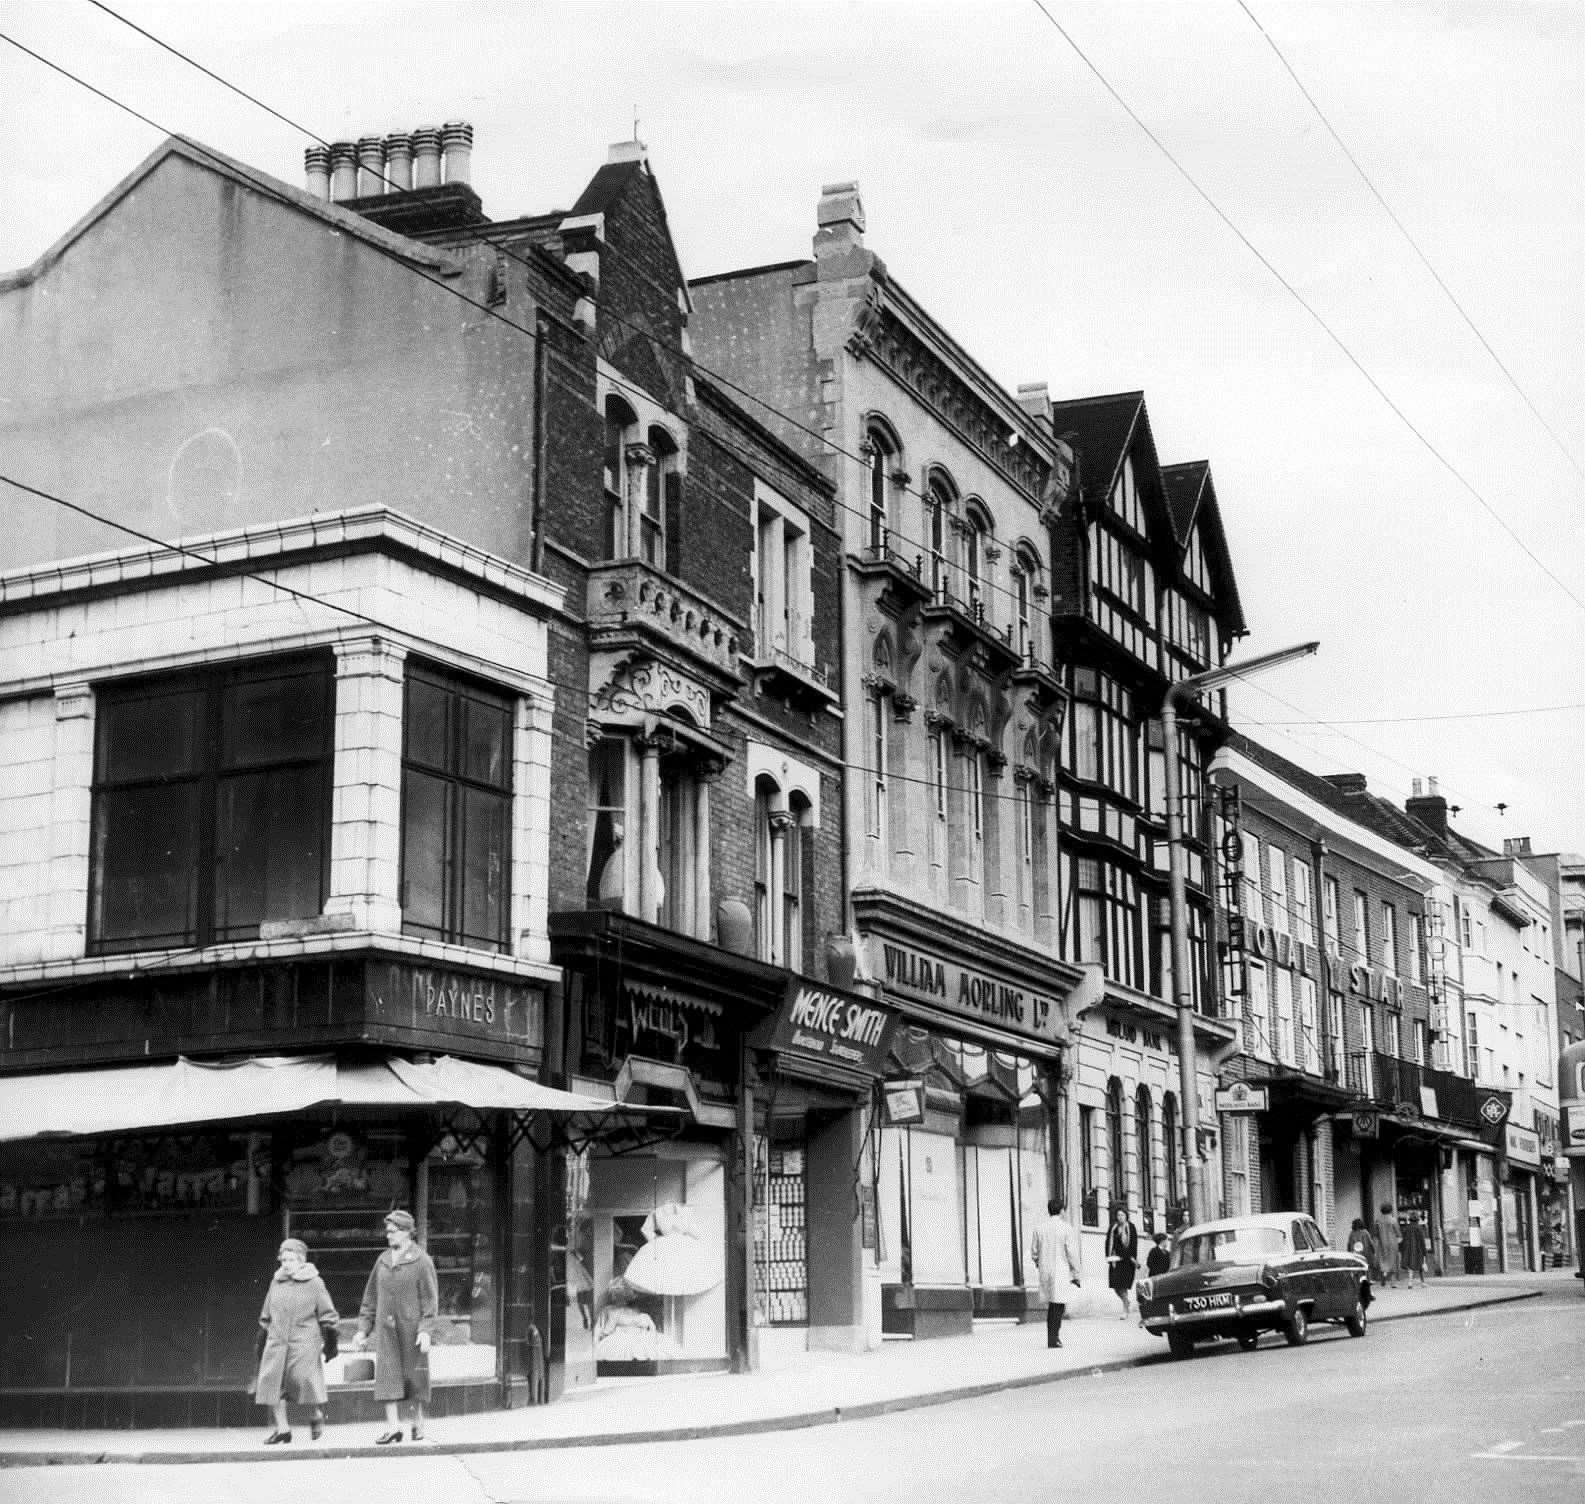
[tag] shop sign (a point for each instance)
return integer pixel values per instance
(1574, 1131)
(820, 1023)
(658, 1024)
(437, 999)
(980, 996)
(1491, 1107)
(1523, 1146)
(1367, 1125)
(1242, 1097)
(902, 1102)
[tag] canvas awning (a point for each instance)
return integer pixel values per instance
(81, 1104)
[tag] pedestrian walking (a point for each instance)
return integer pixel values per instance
(1389, 1240)
(1414, 1250)
(400, 1304)
(1360, 1241)
(297, 1332)
(1159, 1259)
(1122, 1256)
(1056, 1256)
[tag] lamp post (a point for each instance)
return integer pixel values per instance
(1182, 978)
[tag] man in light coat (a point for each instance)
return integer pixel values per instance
(1056, 1255)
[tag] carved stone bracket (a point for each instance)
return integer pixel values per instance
(903, 706)
(937, 721)
(995, 762)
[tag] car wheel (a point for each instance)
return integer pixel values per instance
(1356, 1320)
(1297, 1330)
(1179, 1345)
(1249, 1341)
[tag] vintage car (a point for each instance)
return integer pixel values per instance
(1240, 1276)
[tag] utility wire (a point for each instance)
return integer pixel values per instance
(1403, 230)
(1299, 298)
(660, 342)
(269, 189)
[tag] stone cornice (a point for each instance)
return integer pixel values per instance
(266, 545)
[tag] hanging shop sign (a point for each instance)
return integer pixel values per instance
(1242, 1097)
(902, 1102)
(1367, 1125)
(979, 996)
(1491, 1107)
(1523, 1146)
(822, 1023)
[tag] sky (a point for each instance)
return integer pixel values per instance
(1349, 269)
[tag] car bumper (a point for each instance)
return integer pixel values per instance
(1231, 1316)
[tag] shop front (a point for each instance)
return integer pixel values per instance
(969, 1144)
(818, 1062)
(141, 1204)
(1521, 1170)
(652, 1238)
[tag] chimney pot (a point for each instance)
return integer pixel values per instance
(399, 161)
(426, 156)
(371, 166)
(456, 139)
(1431, 788)
(343, 171)
(841, 209)
(316, 171)
(626, 151)
(1414, 788)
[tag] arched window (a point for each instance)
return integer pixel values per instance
(881, 454)
(655, 544)
(1147, 1181)
(621, 430)
(1169, 1145)
(938, 506)
(1026, 579)
(976, 557)
(1114, 1140)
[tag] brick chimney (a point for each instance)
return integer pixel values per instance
(1516, 846)
(1430, 808)
(413, 182)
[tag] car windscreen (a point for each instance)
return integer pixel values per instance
(1230, 1245)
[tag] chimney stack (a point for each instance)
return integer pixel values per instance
(343, 171)
(1516, 846)
(1430, 808)
(456, 140)
(840, 218)
(1347, 783)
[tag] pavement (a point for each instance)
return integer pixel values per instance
(796, 1391)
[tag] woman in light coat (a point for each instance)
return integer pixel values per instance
(400, 1304)
(296, 1328)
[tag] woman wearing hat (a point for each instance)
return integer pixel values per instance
(297, 1332)
(400, 1303)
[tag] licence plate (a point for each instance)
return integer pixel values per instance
(1205, 1302)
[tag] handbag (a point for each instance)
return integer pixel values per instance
(332, 1342)
(259, 1341)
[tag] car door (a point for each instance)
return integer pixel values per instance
(1303, 1273)
(1333, 1288)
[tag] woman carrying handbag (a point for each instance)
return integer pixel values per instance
(297, 1332)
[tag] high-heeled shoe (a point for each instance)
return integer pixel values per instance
(275, 1438)
(387, 1439)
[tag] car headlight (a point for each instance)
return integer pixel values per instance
(1268, 1279)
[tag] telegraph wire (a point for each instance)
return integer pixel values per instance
(1403, 230)
(659, 341)
(269, 189)
(1315, 316)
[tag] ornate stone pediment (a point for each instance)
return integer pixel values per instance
(626, 686)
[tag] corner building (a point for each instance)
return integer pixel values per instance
(953, 718)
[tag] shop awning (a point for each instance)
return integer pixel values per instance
(81, 1104)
